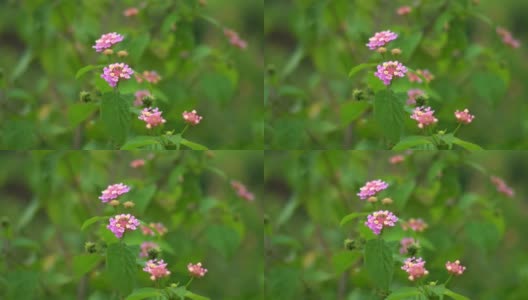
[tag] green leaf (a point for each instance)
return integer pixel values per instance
(466, 145)
(224, 239)
(194, 296)
(19, 135)
(79, 112)
(352, 110)
(121, 267)
(389, 114)
(484, 235)
(144, 293)
(358, 68)
(192, 145)
(137, 46)
(22, 284)
(87, 69)
(454, 295)
(293, 62)
(402, 192)
(22, 65)
(379, 263)
(84, 263)
(344, 260)
(28, 214)
(92, 221)
(284, 283)
(405, 293)
(351, 217)
(138, 142)
(115, 116)
(412, 141)
(489, 86)
(142, 197)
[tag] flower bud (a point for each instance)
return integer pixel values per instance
(90, 247)
(271, 70)
(381, 50)
(266, 219)
(154, 253)
(412, 250)
(358, 95)
(386, 201)
(114, 203)
(148, 101)
(396, 51)
(372, 199)
(108, 52)
(421, 100)
(85, 97)
(350, 244)
(122, 53)
(173, 285)
(129, 204)
(5, 222)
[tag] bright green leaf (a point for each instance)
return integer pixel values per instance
(192, 145)
(406, 293)
(412, 141)
(87, 69)
(351, 217)
(144, 293)
(379, 263)
(138, 142)
(358, 68)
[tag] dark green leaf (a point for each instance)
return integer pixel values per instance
(92, 221)
(402, 192)
(19, 135)
(121, 267)
(22, 65)
(115, 115)
(344, 260)
(351, 217)
(142, 197)
(83, 264)
(412, 141)
(216, 87)
(379, 263)
(224, 239)
(389, 114)
(138, 142)
(466, 145)
(358, 68)
(192, 145)
(87, 69)
(489, 86)
(352, 110)
(79, 112)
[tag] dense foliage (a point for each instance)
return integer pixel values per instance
(321, 91)
(320, 244)
(56, 240)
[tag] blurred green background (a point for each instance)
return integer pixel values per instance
(312, 45)
(46, 196)
(44, 43)
(309, 192)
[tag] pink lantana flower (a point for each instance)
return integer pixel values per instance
(371, 188)
(130, 12)
(115, 72)
(235, 39)
(113, 192)
(121, 223)
(107, 40)
(136, 163)
(404, 10)
(455, 268)
(396, 159)
(146, 246)
(507, 38)
(381, 39)
(415, 267)
(196, 270)
(415, 225)
(424, 116)
(502, 187)
(191, 117)
(140, 95)
(158, 227)
(242, 191)
(149, 76)
(413, 94)
(405, 243)
(464, 116)
(390, 69)
(152, 117)
(380, 219)
(157, 269)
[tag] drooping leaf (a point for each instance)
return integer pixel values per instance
(379, 263)
(406, 293)
(192, 145)
(412, 141)
(138, 142)
(144, 293)
(121, 267)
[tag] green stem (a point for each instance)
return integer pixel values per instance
(189, 282)
(448, 279)
(456, 129)
(184, 129)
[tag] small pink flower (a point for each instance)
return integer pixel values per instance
(380, 39)
(140, 95)
(415, 225)
(371, 188)
(388, 70)
(413, 77)
(192, 117)
(242, 191)
(157, 269)
(424, 116)
(502, 187)
(196, 270)
(131, 11)
(405, 243)
(404, 10)
(121, 223)
(147, 230)
(415, 268)
(113, 192)
(149, 76)
(455, 268)
(137, 163)
(107, 40)
(115, 72)
(146, 246)
(158, 227)
(151, 116)
(507, 38)
(464, 116)
(413, 94)
(235, 39)
(379, 219)
(396, 159)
